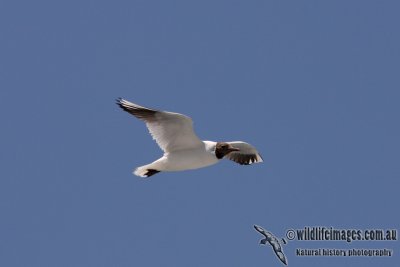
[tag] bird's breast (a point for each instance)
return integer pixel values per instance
(189, 159)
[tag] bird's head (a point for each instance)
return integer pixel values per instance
(222, 149)
(263, 241)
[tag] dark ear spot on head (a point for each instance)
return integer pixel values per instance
(222, 149)
(218, 151)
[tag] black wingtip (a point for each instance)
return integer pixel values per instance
(151, 172)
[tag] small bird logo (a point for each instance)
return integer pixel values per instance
(274, 242)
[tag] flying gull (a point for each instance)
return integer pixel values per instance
(183, 150)
(273, 241)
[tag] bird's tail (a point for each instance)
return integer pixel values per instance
(144, 171)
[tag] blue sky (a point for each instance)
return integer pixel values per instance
(314, 85)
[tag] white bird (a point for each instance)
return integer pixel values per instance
(183, 150)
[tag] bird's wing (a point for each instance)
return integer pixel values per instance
(276, 245)
(247, 154)
(172, 131)
(281, 257)
(260, 230)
